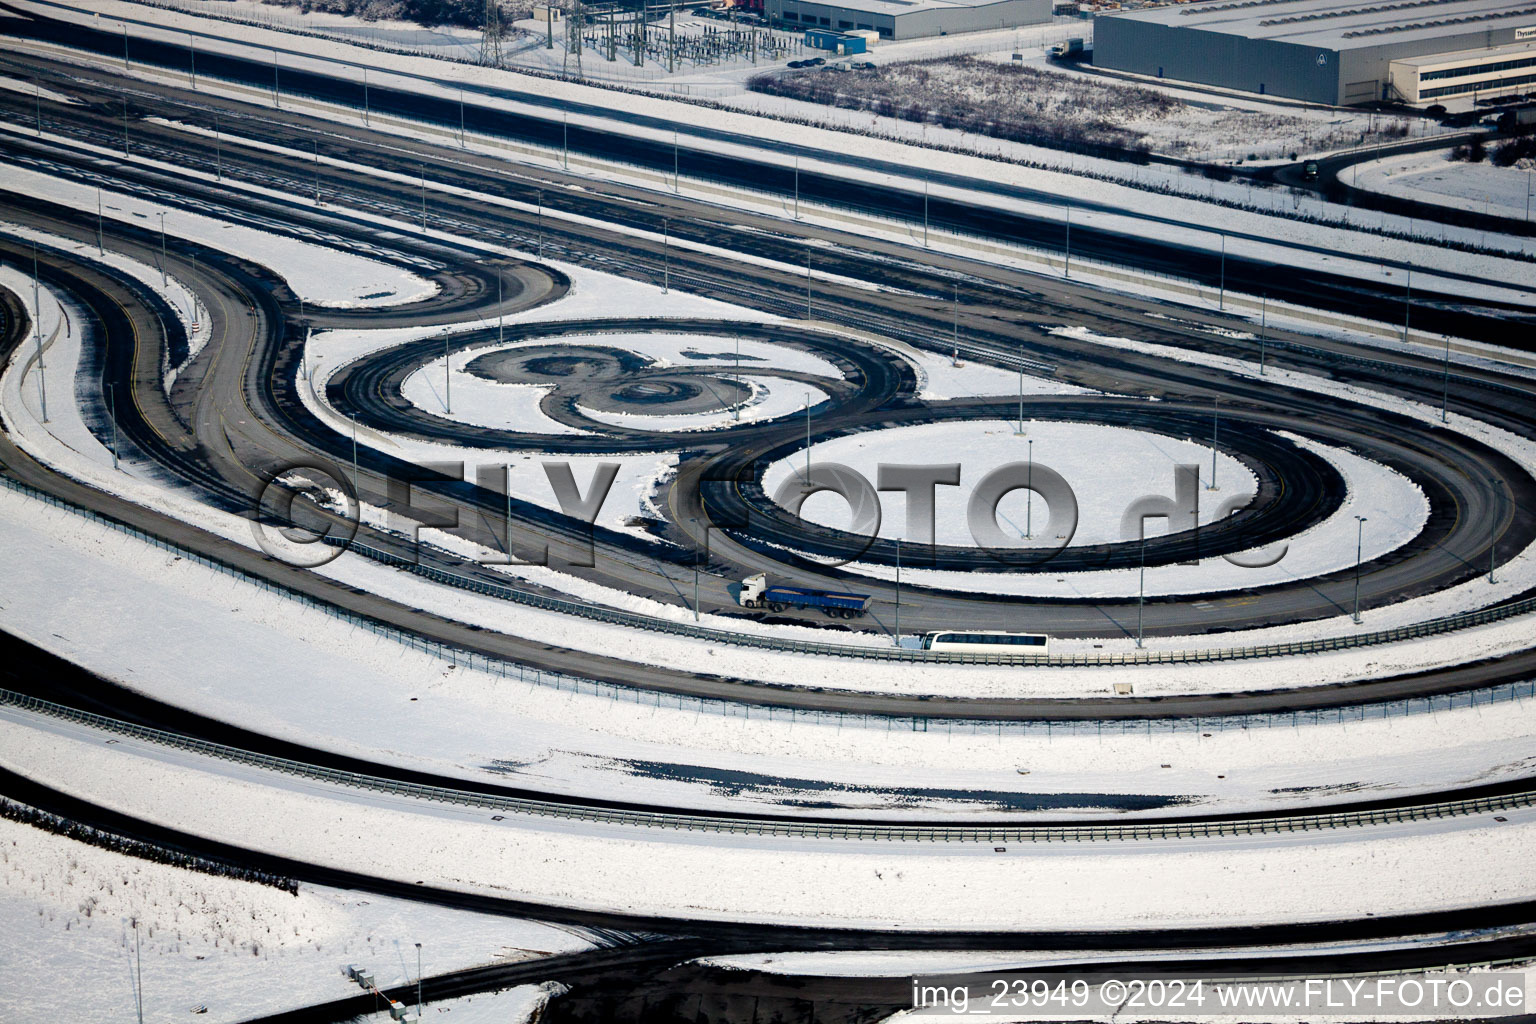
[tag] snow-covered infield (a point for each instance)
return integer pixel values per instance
(320, 275)
(1115, 886)
(66, 913)
(1394, 504)
(189, 309)
(1107, 467)
(1433, 177)
(487, 403)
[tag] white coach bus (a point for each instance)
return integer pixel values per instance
(975, 641)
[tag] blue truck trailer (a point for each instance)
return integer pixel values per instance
(756, 593)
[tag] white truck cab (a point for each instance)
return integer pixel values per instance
(752, 590)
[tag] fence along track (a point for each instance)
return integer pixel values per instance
(615, 616)
(769, 827)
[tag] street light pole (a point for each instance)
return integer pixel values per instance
(1359, 550)
(898, 592)
(955, 336)
(1221, 302)
(1029, 494)
(418, 981)
(807, 439)
(808, 280)
(1141, 587)
(1215, 436)
(1445, 386)
(162, 250)
(1493, 545)
(666, 258)
(925, 213)
(1066, 266)
(192, 59)
(37, 334)
(1263, 328)
(1020, 431)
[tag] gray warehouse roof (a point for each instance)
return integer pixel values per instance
(1332, 25)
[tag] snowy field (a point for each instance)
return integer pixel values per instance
(1288, 877)
(1108, 468)
(703, 351)
(479, 402)
(35, 90)
(515, 406)
(771, 398)
(524, 1004)
(896, 963)
(1037, 100)
(1395, 506)
(940, 377)
(189, 309)
(66, 908)
(639, 475)
(319, 275)
(1434, 178)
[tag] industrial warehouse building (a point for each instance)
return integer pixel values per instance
(1327, 51)
(908, 19)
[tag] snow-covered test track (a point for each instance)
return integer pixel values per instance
(692, 760)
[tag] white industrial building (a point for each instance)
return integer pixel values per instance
(908, 19)
(1327, 51)
(1438, 77)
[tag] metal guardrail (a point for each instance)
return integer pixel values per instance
(655, 624)
(770, 827)
(1507, 692)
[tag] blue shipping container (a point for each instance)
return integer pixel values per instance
(825, 39)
